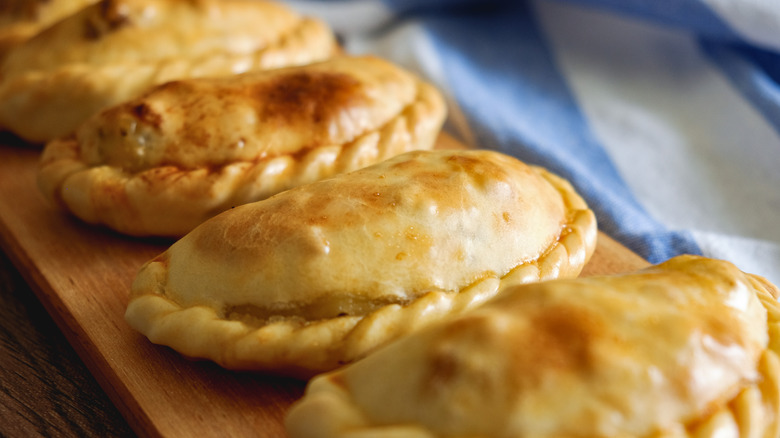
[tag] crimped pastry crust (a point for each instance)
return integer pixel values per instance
(688, 348)
(323, 274)
(115, 50)
(187, 150)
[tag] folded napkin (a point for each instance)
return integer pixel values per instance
(665, 114)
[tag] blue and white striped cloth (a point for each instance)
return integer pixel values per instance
(665, 114)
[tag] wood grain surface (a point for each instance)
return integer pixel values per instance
(82, 276)
(45, 389)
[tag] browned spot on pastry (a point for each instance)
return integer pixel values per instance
(378, 202)
(722, 330)
(176, 86)
(443, 369)
(420, 170)
(558, 341)
(317, 220)
(147, 115)
(91, 31)
(561, 338)
(448, 363)
(113, 15)
(482, 172)
(114, 12)
(476, 170)
(338, 380)
(314, 96)
(461, 171)
(309, 209)
(555, 340)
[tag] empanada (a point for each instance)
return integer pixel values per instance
(685, 348)
(163, 163)
(114, 50)
(21, 19)
(322, 274)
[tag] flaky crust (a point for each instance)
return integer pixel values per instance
(187, 150)
(322, 274)
(114, 50)
(685, 348)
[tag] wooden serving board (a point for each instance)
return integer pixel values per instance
(82, 275)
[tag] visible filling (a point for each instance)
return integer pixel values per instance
(328, 307)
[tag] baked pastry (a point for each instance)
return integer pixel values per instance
(114, 50)
(685, 348)
(21, 19)
(322, 274)
(163, 163)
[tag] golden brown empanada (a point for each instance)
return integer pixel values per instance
(114, 50)
(21, 19)
(685, 348)
(322, 274)
(163, 163)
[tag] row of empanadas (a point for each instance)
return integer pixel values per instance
(189, 149)
(685, 348)
(322, 274)
(114, 50)
(413, 272)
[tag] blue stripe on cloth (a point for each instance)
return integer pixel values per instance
(427, 7)
(754, 72)
(503, 76)
(693, 16)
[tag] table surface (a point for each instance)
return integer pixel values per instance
(45, 388)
